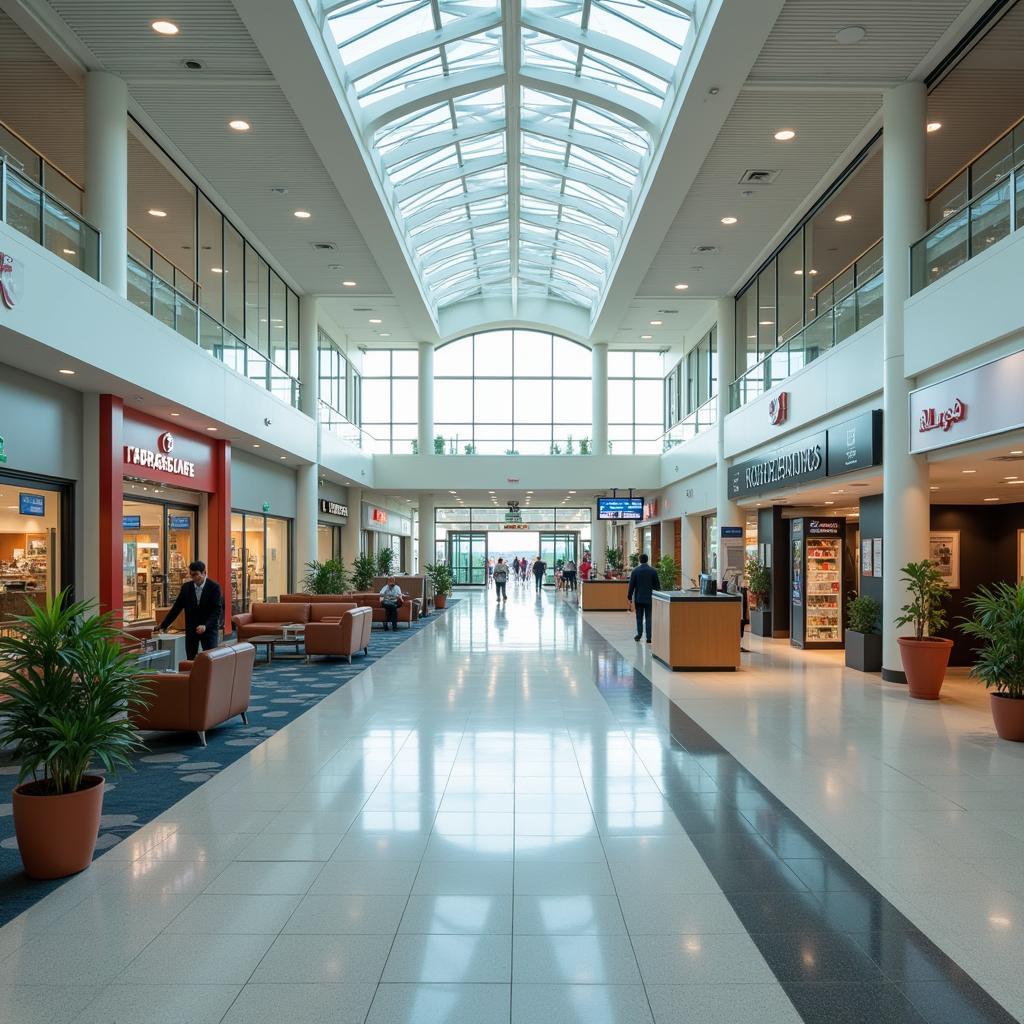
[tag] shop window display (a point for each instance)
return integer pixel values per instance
(260, 557)
(30, 545)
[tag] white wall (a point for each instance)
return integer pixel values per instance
(255, 480)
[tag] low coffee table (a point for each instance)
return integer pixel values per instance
(272, 641)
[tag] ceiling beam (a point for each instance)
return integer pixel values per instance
(429, 142)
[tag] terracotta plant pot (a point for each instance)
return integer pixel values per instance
(1008, 716)
(439, 600)
(57, 834)
(925, 663)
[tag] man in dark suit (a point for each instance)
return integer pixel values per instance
(202, 602)
(643, 581)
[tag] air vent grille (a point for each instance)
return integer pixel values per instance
(324, 246)
(704, 250)
(758, 176)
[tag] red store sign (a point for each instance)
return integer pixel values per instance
(10, 280)
(179, 457)
(942, 419)
(378, 515)
(778, 409)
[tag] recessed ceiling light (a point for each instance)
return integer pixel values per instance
(829, 502)
(799, 273)
(933, 488)
(968, 471)
(303, 214)
(646, 337)
(375, 320)
(70, 252)
(239, 125)
(850, 35)
(255, 445)
(766, 323)
(348, 284)
(1015, 483)
(728, 220)
(175, 413)
(785, 135)
(211, 428)
(453, 492)
(933, 126)
(656, 323)
(1017, 452)
(681, 287)
(385, 334)
(1010, 478)
(283, 456)
(67, 373)
(844, 218)
(991, 499)
(158, 213)
(216, 270)
(165, 28)
(572, 492)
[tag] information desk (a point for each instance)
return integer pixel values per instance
(604, 595)
(694, 631)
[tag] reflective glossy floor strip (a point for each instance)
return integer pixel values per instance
(840, 950)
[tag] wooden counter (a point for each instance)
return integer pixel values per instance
(692, 631)
(604, 595)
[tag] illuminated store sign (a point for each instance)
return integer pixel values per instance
(163, 460)
(942, 419)
(10, 280)
(794, 464)
(333, 508)
(778, 408)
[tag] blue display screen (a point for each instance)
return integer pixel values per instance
(180, 522)
(131, 522)
(32, 504)
(620, 508)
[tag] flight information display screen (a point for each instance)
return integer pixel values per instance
(620, 508)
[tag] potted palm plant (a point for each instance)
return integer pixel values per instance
(327, 577)
(997, 620)
(364, 568)
(440, 575)
(759, 584)
(385, 560)
(613, 562)
(67, 689)
(925, 655)
(862, 640)
(669, 570)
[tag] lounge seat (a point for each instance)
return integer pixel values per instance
(340, 637)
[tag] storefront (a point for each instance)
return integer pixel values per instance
(332, 518)
(260, 558)
(165, 497)
(384, 528)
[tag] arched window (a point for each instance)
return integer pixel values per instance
(517, 391)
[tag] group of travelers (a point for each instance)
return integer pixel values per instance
(567, 574)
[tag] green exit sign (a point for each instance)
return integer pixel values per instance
(3, 453)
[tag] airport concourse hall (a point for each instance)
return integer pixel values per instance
(511, 512)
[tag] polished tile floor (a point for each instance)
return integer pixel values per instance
(503, 820)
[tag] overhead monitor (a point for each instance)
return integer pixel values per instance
(620, 508)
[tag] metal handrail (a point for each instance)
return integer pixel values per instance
(153, 249)
(835, 277)
(11, 169)
(177, 291)
(60, 170)
(694, 420)
(974, 159)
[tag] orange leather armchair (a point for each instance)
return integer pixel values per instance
(206, 692)
(342, 636)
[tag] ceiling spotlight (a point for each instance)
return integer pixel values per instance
(385, 334)
(375, 320)
(211, 428)
(799, 273)
(728, 220)
(348, 284)
(239, 125)
(158, 213)
(681, 287)
(70, 252)
(283, 456)
(991, 499)
(968, 471)
(850, 35)
(646, 337)
(933, 126)
(255, 445)
(812, 272)
(933, 488)
(175, 413)
(216, 270)
(785, 135)
(829, 502)
(165, 28)
(844, 218)
(67, 373)
(303, 214)
(1017, 452)
(657, 323)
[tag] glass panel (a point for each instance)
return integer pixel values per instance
(454, 359)
(404, 363)
(990, 218)
(23, 206)
(293, 333)
(234, 280)
(945, 249)
(648, 364)
(746, 329)
(252, 296)
(532, 355)
(404, 401)
(254, 567)
(766, 320)
(143, 566)
(239, 602)
(951, 198)
(211, 259)
(845, 318)
(276, 582)
(991, 166)
(181, 539)
(30, 548)
(620, 364)
(571, 359)
(869, 302)
(278, 322)
(263, 305)
(791, 286)
(492, 354)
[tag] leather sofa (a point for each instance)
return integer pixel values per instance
(409, 611)
(202, 694)
(264, 619)
(339, 637)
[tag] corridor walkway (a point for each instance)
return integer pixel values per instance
(499, 821)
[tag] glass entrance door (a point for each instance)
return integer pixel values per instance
(467, 556)
(558, 547)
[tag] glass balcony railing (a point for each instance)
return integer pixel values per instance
(27, 206)
(968, 231)
(152, 294)
(344, 429)
(701, 419)
(850, 314)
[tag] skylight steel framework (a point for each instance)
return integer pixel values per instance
(512, 138)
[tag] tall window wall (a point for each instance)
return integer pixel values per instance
(340, 381)
(635, 402)
(390, 399)
(693, 381)
(523, 392)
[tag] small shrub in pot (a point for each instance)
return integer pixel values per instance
(863, 642)
(925, 654)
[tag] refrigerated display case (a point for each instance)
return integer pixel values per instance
(816, 583)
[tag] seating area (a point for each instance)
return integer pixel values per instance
(339, 637)
(202, 694)
(269, 619)
(411, 609)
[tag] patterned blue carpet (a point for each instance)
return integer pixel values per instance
(174, 763)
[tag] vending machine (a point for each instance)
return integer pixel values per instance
(816, 582)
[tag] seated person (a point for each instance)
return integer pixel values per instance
(391, 601)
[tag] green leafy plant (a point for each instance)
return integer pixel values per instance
(569, 447)
(470, 449)
(759, 579)
(441, 576)
(511, 451)
(669, 570)
(862, 614)
(439, 445)
(584, 446)
(997, 621)
(415, 445)
(385, 560)
(613, 558)
(634, 559)
(66, 687)
(928, 591)
(327, 577)
(364, 568)
(556, 449)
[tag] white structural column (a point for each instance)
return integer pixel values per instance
(426, 405)
(668, 537)
(729, 513)
(354, 526)
(690, 553)
(426, 530)
(88, 555)
(905, 515)
(306, 476)
(106, 173)
(599, 543)
(599, 392)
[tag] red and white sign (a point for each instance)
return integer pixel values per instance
(975, 403)
(378, 515)
(10, 280)
(152, 452)
(778, 408)
(651, 508)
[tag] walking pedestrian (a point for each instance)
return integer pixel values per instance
(540, 570)
(643, 581)
(569, 574)
(501, 579)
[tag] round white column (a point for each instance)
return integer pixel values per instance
(426, 409)
(426, 531)
(599, 393)
(598, 544)
(354, 526)
(729, 513)
(309, 355)
(106, 173)
(306, 477)
(905, 513)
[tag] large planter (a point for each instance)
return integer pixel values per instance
(864, 651)
(924, 662)
(57, 834)
(439, 600)
(1008, 716)
(761, 621)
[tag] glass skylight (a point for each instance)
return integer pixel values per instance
(512, 137)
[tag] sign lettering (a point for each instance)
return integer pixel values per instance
(161, 460)
(333, 508)
(942, 419)
(10, 280)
